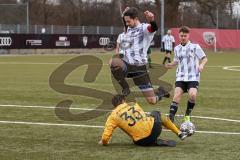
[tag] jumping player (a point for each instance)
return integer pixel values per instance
(133, 64)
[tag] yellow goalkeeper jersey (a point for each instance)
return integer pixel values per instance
(131, 119)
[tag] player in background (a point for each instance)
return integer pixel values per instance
(133, 64)
(186, 56)
(168, 43)
(123, 42)
(142, 127)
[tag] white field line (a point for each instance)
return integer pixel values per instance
(220, 119)
(54, 63)
(232, 68)
(103, 110)
(214, 66)
(50, 124)
(92, 126)
(39, 63)
(29, 63)
(53, 107)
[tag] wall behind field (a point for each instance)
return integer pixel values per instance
(225, 39)
(62, 41)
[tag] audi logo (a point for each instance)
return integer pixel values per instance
(5, 41)
(103, 41)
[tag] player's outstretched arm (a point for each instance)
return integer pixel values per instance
(149, 16)
(203, 63)
(171, 65)
(151, 19)
(108, 131)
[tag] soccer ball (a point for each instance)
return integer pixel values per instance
(188, 127)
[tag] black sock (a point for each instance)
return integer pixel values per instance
(118, 74)
(173, 108)
(169, 60)
(190, 106)
(165, 59)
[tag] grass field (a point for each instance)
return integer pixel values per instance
(28, 130)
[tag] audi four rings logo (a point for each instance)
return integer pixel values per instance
(103, 41)
(5, 41)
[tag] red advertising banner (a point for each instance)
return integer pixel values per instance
(225, 39)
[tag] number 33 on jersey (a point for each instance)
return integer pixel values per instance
(131, 119)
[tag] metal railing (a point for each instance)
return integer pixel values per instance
(54, 29)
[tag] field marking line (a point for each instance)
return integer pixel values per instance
(27, 63)
(214, 132)
(103, 110)
(214, 118)
(57, 63)
(53, 107)
(41, 63)
(214, 66)
(231, 68)
(51, 124)
(93, 126)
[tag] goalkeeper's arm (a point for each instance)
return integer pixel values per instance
(108, 131)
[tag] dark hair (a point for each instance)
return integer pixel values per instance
(117, 100)
(184, 29)
(132, 12)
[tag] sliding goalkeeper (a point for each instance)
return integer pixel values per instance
(142, 127)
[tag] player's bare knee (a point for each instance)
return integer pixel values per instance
(113, 62)
(177, 98)
(192, 97)
(116, 62)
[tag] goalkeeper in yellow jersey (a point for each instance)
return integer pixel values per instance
(143, 128)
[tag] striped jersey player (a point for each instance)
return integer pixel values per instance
(168, 43)
(141, 38)
(123, 42)
(134, 63)
(191, 60)
(188, 57)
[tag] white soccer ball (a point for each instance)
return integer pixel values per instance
(188, 127)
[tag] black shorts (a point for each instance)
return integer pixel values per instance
(185, 86)
(168, 51)
(151, 140)
(140, 76)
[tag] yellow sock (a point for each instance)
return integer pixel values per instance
(169, 125)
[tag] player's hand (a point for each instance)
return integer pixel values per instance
(149, 16)
(168, 66)
(127, 8)
(101, 143)
(200, 68)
